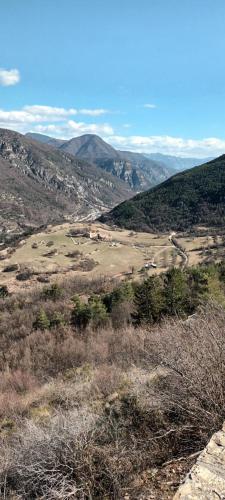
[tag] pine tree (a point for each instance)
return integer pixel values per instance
(42, 322)
(149, 300)
(81, 314)
(99, 315)
(176, 292)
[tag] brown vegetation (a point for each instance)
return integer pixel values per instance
(97, 413)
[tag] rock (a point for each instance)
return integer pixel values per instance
(206, 480)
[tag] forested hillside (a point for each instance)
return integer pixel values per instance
(196, 196)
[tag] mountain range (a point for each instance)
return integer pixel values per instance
(139, 172)
(177, 163)
(45, 180)
(190, 198)
(40, 184)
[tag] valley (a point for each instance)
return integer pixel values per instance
(93, 250)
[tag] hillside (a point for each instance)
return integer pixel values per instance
(99, 397)
(196, 196)
(139, 172)
(39, 184)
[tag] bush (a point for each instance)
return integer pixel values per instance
(3, 291)
(57, 319)
(11, 268)
(25, 275)
(54, 292)
(42, 322)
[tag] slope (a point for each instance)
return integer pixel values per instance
(196, 196)
(39, 183)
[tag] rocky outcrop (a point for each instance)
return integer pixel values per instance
(206, 480)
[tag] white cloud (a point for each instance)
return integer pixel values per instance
(9, 77)
(72, 128)
(177, 146)
(93, 112)
(61, 123)
(150, 106)
(39, 114)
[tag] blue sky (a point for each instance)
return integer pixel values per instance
(146, 75)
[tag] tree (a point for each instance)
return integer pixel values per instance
(42, 322)
(81, 313)
(176, 292)
(149, 300)
(198, 286)
(99, 315)
(94, 312)
(123, 293)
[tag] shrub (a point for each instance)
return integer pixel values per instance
(25, 275)
(42, 322)
(3, 291)
(57, 319)
(10, 268)
(54, 292)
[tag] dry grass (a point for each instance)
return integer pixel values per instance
(127, 251)
(122, 402)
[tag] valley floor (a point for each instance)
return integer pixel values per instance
(94, 249)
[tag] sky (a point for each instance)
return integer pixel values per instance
(145, 75)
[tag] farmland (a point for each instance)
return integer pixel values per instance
(95, 249)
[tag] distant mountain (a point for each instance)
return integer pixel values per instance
(40, 184)
(177, 162)
(193, 197)
(45, 139)
(90, 147)
(135, 169)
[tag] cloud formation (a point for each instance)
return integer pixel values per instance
(53, 120)
(9, 77)
(63, 123)
(72, 129)
(93, 112)
(37, 114)
(150, 106)
(198, 148)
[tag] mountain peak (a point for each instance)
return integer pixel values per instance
(137, 171)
